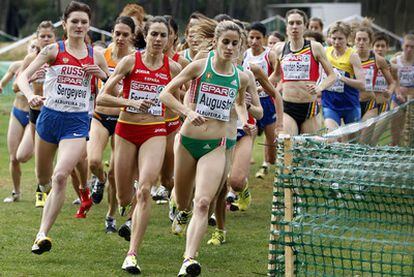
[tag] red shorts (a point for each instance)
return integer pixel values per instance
(139, 133)
(172, 124)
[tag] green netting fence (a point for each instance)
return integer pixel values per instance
(344, 209)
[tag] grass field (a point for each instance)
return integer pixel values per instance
(81, 247)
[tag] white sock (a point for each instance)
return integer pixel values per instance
(45, 188)
(265, 164)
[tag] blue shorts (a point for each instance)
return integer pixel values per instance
(349, 116)
(396, 100)
(54, 126)
(21, 116)
(269, 112)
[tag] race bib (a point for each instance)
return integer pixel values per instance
(381, 84)
(406, 76)
(369, 78)
(338, 86)
(215, 101)
(296, 67)
(139, 91)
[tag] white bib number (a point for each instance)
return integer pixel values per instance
(140, 91)
(296, 67)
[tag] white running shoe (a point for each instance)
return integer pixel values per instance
(130, 265)
(190, 268)
(14, 197)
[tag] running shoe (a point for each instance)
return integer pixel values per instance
(14, 197)
(125, 230)
(173, 210)
(86, 203)
(162, 195)
(180, 223)
(218, 237)
(230, 202)
(40, 198)
(212, 221)
(98, 189)
(130, 265)
(154, 190)
(124, 211)
(244, 200)
(262, 172)
(189, 268)
(42, 244)
(110, 225)
(77, 201)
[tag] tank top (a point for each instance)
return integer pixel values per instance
(214, 93)
(300, 65)
(405, 74)
(144, 83)
(381, 84)
(370, 69)
(67, 87)
(340, 96)
(262, 61)
(176, 57)
(186, 55)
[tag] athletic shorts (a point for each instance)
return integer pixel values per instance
(200, 147)
(396, 100)
(349, 116)
(172, 124)
(140, 133)
(367, 106)
(33, 115)
(230, 143)
(108, 121)
(21, 116)
(300, 112)
(53, 126)
(269, 112)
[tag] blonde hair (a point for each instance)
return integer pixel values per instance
(340, 26)
(226, 26)
(204, 30)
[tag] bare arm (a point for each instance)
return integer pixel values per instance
(109, 95)
(359, 81)
(9, 75)
(240, 104)
(47, 55)
(320, 55)
(386, 71)
(189, 73)
(254, 107)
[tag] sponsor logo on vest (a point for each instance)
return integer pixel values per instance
(142, 71)
(161, 76)
(234, 82)
(65, 60)
(216, 89)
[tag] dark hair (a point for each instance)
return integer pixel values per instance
(300, 12)
(381, 36)
(316, 35)
(222, 16)
(127, 20)
(76, 6)
(173, 25)
(278, 35)
(155, 19)
(258, 26)
(317, 19)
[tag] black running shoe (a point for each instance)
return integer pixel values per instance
(125, 230)
(98, 190)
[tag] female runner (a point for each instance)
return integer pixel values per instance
(63, 124)
(200, 154)
(140, 131)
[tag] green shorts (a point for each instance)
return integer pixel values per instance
(230, 143)
(200, 147)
